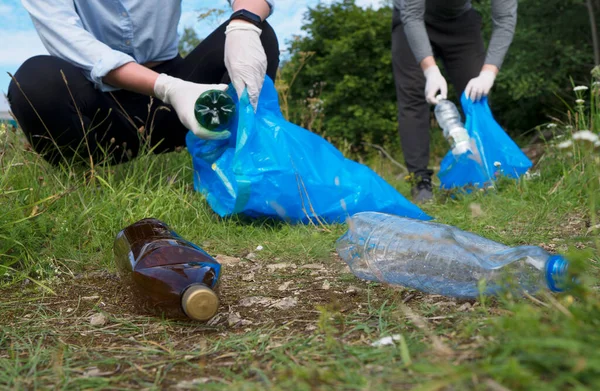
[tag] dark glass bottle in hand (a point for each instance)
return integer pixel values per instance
(214, 110)
(167, 271)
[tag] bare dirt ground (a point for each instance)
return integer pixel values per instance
(263, 307)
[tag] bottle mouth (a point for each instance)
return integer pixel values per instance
(556, 271)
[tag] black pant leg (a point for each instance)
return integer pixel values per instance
(413, 109)
(68, 121)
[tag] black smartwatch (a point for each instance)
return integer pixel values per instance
(247, 16)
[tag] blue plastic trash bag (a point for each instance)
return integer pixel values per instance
(270, 167)
(495, 153)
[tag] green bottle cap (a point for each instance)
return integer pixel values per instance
(214, 110)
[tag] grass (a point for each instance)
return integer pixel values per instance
(57, 226)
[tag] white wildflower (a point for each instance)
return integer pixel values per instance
(585, 135)
(596, 84)
(550, 126)
(579, 101)
(565, 144)
(387, 340)
(497, 164)
(580, 88)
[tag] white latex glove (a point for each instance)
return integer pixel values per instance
(182, 95)
(435, 82)
(245, 59)
(480, 86)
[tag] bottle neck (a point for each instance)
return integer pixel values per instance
(556, 271)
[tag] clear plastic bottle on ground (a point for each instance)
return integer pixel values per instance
(449, 119)
(441, 259)
(167, 271)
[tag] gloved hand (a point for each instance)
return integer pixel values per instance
(182, 95)
(480, 86)
(434, 82)
(245, 59)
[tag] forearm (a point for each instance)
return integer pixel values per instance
(427, 62)
(491, 68)
(258, 7)
(133, 77)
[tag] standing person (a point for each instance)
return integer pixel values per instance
(423, 30)
(114, 67)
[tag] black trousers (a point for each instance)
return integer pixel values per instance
(69, 121)
(459, 44)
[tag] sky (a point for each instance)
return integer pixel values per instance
(19, 40)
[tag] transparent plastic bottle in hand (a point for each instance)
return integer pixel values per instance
(448, 118)
(441, 259)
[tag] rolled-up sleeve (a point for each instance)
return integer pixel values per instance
(63, 35)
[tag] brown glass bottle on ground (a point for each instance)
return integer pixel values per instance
(166, 270)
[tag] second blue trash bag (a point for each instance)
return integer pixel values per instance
(270, 167)
(495, 153)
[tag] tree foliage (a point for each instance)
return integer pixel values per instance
(343, 67)
(340, 71)
(188, 41)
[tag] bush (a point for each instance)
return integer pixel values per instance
(342, 71)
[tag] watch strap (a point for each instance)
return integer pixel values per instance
(246, 16)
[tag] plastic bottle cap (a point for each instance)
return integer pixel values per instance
(214, 110)
(199, 302)
(556, 270)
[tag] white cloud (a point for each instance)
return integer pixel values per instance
(18, 46)
(371, 3)
(5, 10)
(288, 18)
(288, 25)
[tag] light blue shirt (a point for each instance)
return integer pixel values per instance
(99, 35)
